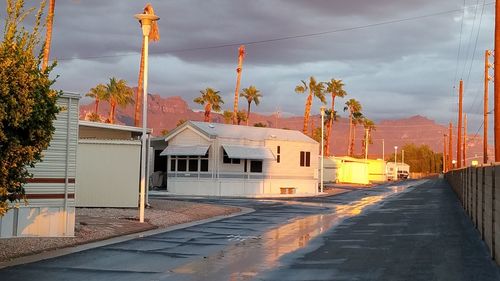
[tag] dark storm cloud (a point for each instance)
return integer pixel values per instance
(395, 70)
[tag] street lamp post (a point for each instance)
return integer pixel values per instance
(322, 110)
(395, 163)
(146, 20)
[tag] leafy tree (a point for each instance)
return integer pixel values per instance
(369, 126)
(28, 106)
(241, 116)
(117, 94)
(154, 35)
(94, 117)
(211, 99)
(316, 89)
(330, 116)
(354, 108)
(336, 89)
(260, 124)
(421, 158)
(228, 116)
(316, 135)
(98, 93)
(251, 94)
(180, 122)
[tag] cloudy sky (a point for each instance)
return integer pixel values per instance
(398, 58)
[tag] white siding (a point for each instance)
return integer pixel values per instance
(231, 180)
(50, 214)
(108, 173)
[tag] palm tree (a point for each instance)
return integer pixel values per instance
(98, 93)
(227, 116)
(211, 100)
(252, 95)
(369, 126)
(48, 34)
(330, 116)
(241, 116)
(154, 35)
(117, 94)
(336, 89)
(354, 108)
(315, 89)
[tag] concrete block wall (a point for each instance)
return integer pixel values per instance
(478, 189)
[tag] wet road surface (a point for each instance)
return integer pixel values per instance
(281, 240)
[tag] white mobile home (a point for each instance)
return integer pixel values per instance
(51, 191)
(229, 160)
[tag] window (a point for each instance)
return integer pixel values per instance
(255, 166)
(181, 165)
(204, 165)
(227, 160)
(172, 164)
(193, 165)
(278, 151)
(189, 163)
(305, 159)
(245, 169)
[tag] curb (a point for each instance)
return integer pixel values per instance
(114, 240)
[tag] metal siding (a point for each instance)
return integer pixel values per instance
(46, 217)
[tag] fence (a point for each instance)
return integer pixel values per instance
(480, 198)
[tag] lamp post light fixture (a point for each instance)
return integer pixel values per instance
(146, 20)
(322, 110)
(395, 162)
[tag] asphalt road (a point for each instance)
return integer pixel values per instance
(383, 233)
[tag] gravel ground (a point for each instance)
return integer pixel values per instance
(94, 224)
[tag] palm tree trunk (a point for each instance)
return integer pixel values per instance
(96, 106)
(350, 134)
(48, 34)
(307, 112)
(208, 109)
(351, 153)
(248, 111)
(138, 94)
(112, 112)
(241, 55)
(326, 148)
(329, 128)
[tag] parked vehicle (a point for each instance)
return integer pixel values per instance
(403, 175)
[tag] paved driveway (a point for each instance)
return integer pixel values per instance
(281, 240)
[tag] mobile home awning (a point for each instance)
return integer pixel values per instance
(178, 150)
(245, 152)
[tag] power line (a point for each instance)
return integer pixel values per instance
(473, 55)
(470, 39)
(459, 49)
(256, 42)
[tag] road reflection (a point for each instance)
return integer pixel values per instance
(245, 259)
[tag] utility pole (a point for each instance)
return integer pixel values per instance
(459, 125)
(450, 146)
(241, 56)
(444, 154)
(402, 156)
(464, 149)
(487, 79)
(383, 149)
(366, 144)
(496, 71)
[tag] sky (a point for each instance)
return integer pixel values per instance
(398, 58)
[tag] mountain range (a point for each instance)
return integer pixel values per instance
(164, 113)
